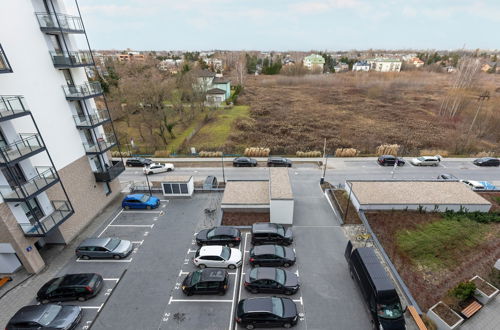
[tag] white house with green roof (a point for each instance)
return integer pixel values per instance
(314, 62)
(385, 64)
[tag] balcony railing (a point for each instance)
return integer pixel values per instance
(12, 106)
(4, 63)
(27, 146)
(71, 59)
(44, 180)
(97, 118)
(62, 211)
(83, 91)
(55, 23)
(103, 144)
(110, 173)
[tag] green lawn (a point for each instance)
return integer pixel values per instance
(215, 134)
(439, 244)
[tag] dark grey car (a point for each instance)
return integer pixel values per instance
(108, 247)
(46, 317)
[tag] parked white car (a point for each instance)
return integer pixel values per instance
(475, 185)
(217, 256)
(426, 161)
(158, 168)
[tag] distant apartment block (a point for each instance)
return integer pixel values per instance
(130, 56)
(56, 173)
(385, 64)
(361, 66)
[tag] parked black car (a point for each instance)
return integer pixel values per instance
(487, 161)
(71, 287)
(266, 312)
(138, 162)
(389, 160)
(446, 176)
(46, 317)
(271, 280)
(376, 287)
(269, 233)
(244, 161)
(279, 161)
(219, 236)
(272, 255)
(206, 281)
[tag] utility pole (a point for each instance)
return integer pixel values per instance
(481, 98)
(223, 173)
(325, 159)
(149, 187)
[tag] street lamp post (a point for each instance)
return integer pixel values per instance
(223, 173)
(149, 187)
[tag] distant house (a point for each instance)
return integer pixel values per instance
(314, 62)
(288, 61)
(215, 96)
(130, 56)
(450, 69)
(417, 62)
(361, 66)
(217, 89)
(170, 65)
(490, 66)
(385, 64)
(341, 67)
(215, 63)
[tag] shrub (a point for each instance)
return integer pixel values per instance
(485, 154)
(308, 154)
(477, 216)
(257, 152)
(162, 153)
(346, 152)
(210, 154)
(433, 152)
(387, 149)
(120, 154)
(463, 291)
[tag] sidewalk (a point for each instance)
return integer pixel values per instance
(24, 293)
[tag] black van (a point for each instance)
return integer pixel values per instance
(377, 288)
(206, 281)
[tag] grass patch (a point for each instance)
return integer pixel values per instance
(215, 134)
(436, 244)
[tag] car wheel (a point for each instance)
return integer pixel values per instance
(85, 257)
(127, 207)
(231, 266)
(286, 264)
(149, 173)
(287, 325)
(288, 292)
(254, 291)
(44, 301)
(202, 266)
(189, 293)
(148, 207)
(169, 169)
(249, 326)
(116, 257)
(81, 299)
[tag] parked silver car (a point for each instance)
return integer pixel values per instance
(426, 161)
(108, 247)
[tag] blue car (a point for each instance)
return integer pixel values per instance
(487, 185)
(140, 201)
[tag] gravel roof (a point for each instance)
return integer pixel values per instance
(246, 192)
(280, 186)
(415, 192)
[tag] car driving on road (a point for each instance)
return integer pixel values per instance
(271, 280)
(389, 160)
(46, 317)
(157, 168)
(244, 161)
(217, 256)
(222, 235)
(487, 161)
(272, 255)
(70, 287)
(426, 161)
(266, 312)
(279, 162)
(104, 247)
(138, 162)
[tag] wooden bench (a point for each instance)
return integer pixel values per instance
(417, 318)
(471, 309)
(4, 280)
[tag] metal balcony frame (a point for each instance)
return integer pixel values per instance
(72, 59)
(107, 143)
(21, 189)
(55, 26)
(8, 109)
(93, 119)
(110, 173)
(5, 61)
(85, 91)
(5, 160)
(40, 229)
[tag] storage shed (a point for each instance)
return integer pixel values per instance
(414, 195)
(174, 186)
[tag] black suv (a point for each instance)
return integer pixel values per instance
(244, 161)
(267, 312)
(219, 236)
(206, 281)
(71, 287)
(269, 233)
(271, 280)
(279, 161)
(138, 162)
(389, 160)
(487, 161)
(272, 255)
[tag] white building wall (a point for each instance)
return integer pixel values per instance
(281, 211)
(35, 77)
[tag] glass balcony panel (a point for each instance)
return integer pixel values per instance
(28, 143)
(62, 210)
(103, 143)
(38, 183)
(110, 173)
(12, 105)
(51, 22)
(95, 118)
(86, 90)
(71, 59)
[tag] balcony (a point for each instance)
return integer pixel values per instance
(99, 117)
(12, 106)
(62, 211)
(64, 60)
(59, 23)
(27, 146)
(83, 91)
(34, 186)
(103, 144)
(4, 62)
(110, 173)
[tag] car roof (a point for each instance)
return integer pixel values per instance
(223, 230)
(377, 272)
(268, 273)
(261, 304)
(213, 274)
(264, 249)
(264, 227)
(77, 279)
(95, 242)
(276, 158)
(388, 156)
(135, 196)
(211, 250)
(32, 313)
(428, 157)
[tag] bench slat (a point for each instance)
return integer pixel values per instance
(417, 318)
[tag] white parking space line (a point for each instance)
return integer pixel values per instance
(237, 282)
(138, 242)
(111, 279)
(191, 251)
(331, 226)
(143, 226)
(299, 300)
(142, 212)
(443, 165)
(91, 307)
(112, 260)
(109, 224)
(201, 300)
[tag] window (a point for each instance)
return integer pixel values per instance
(32, 210)
(184, 188)
(167, 188)
(175, 188)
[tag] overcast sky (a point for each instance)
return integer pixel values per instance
(291, 24)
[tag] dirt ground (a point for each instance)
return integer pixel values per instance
(426, 286)
(494, 199)
(360, 110)
(243, 218)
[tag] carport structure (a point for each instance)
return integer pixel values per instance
(436, 196)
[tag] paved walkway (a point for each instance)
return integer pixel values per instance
(488, 317)
(24, 293)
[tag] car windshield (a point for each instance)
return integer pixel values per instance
(144, 198)
(211, 233)
(225, 253)
(280, 276)
(280, 230)
(54, 285)
(49, 315)
(421, 159)
(277, 306)
(112, 244)
(390, 311)
(195, 277)
(279, 250)
(253, 274)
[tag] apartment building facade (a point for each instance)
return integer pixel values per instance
(56, 172)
